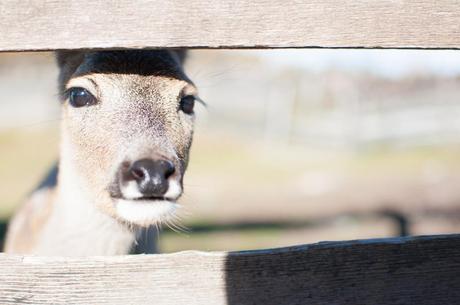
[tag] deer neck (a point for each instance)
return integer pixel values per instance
(76, 227)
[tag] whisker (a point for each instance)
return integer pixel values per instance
(181, 227)
(174, 224)
(170, 227)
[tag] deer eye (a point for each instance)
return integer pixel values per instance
(80, 97)
(187, 103)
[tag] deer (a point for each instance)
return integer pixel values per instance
(127, 120)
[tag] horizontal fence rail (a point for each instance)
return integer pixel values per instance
(418, 270)
(46, 25)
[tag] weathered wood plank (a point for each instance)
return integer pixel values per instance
(422, 270)
(47, 24)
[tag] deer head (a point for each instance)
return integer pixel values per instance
(127, 126)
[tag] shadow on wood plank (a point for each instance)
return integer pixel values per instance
(3, 227)
(422, 271)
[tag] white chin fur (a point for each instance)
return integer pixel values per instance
(144, 212)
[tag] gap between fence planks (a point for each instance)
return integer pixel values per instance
(420, 270)
(46, 25)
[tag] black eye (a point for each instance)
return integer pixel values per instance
(79, 97)
(187, 103)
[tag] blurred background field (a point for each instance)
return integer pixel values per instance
(295, 146)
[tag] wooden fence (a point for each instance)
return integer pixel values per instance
(46, 25)
(422, 270)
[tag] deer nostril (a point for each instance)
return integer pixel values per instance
(168, 168)
(150, 176)
(137, 173)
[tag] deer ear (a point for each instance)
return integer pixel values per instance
(68, 62)
(69, 58)
(180, 54)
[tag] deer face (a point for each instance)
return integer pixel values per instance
(126, 130)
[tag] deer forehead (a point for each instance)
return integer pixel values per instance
(131, 107)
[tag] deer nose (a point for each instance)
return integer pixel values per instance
(151, 176)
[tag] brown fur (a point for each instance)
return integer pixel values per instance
(136, 117)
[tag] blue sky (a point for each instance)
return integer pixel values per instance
(389, 63)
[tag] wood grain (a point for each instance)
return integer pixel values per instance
(422, 270)
(52, 24)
